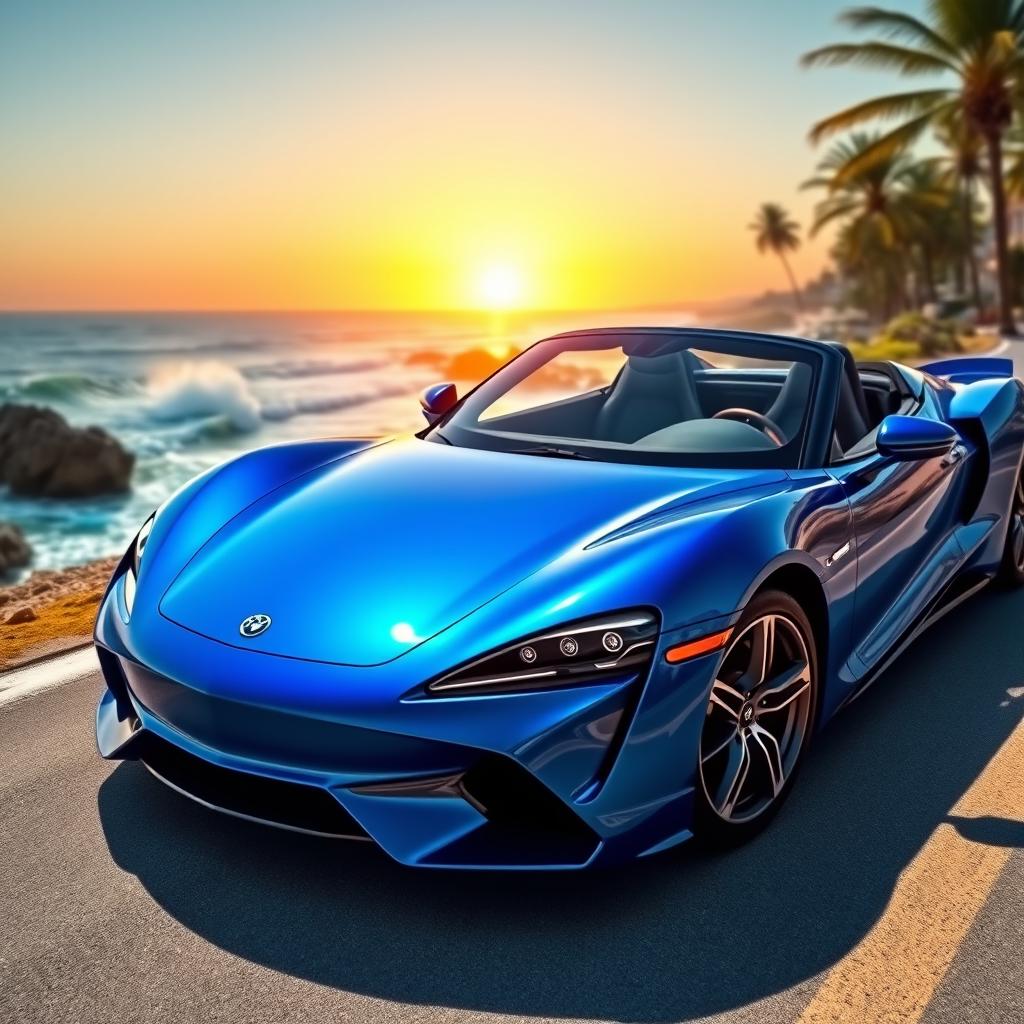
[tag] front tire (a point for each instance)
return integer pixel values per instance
(760, 715)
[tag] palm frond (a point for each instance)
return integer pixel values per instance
(830, 210)
(1005, 46)
(884, 148)
(776, 230)
(818, 181)
(886, 56)
(897, 105)
(971, 24)
(898, 25)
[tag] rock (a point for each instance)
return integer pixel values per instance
(14, 549)
(42, 455)
(26, 613)
(477, 363)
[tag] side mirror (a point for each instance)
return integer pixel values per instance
(910, 437)
(437, 400)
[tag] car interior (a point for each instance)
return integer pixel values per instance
(679, 401)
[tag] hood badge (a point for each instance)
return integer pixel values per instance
(254, 625)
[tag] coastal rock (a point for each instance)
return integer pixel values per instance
(42, 455)
(14, 549)
(26, 613)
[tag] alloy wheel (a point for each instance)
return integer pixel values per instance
(757, 718)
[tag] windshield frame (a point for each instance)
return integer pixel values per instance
(448, 429)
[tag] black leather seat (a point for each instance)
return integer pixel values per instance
(788, 410)
(853, 420)
(651, 392)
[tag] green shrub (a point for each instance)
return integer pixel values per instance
(881, 348)
(931, 336)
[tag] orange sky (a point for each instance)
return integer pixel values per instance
(352, 156)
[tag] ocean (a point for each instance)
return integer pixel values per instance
(187, 391)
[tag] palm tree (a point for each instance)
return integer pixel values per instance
(981, 44)
(961, 165)
(884, 206)
(777, 232)
(872, 272)
(935, 232)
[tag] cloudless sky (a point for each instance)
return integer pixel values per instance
(389, 154)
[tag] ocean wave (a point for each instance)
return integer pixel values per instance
(141, 349)
(219, 397)
(203, 390)
(68, 388)
(286, 410)
(288, 369)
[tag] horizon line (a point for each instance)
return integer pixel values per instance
(682, 306)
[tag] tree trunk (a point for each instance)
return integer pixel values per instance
(900, 282)
(888, 293)
(928, 272)
(972, 256)
(792, 282)
(994, 143)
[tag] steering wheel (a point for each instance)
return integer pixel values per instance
(754, 419)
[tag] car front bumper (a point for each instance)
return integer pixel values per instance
(559, 779)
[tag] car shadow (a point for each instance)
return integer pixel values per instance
(680, 936)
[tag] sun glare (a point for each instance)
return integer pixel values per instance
(500, 287)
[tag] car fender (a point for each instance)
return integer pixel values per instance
(190, 516)
(699, 568)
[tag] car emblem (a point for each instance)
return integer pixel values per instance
(254, 625)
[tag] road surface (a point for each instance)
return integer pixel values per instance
(890, 887)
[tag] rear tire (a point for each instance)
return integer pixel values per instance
(1011, 570)
(760, 716)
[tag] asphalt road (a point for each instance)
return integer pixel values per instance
(891, 886)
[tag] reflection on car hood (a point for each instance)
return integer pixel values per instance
(361, 560)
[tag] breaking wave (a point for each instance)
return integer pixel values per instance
(190, 390)
(220, 397)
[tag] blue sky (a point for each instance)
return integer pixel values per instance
(185, 139)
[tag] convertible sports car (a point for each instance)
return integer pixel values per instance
(600, 605)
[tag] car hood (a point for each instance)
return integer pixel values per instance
(361, 560)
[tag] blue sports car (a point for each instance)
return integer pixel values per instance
(600, 605)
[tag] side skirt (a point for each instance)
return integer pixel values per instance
(956, 592)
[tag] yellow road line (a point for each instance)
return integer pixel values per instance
(892, 973)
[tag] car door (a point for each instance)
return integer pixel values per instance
(904, 518)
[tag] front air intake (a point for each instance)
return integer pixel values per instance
(285, 804)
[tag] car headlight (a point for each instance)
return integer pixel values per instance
(131, 575)
(579, 652)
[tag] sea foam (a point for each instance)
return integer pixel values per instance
(185, 390)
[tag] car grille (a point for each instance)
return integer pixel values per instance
(286, 804)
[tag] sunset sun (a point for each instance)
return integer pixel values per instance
(500, 286)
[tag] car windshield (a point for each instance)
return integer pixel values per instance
(678, 398)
